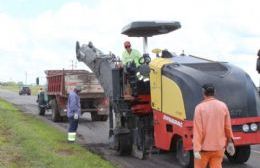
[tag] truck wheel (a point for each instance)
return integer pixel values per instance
(55, 115)
(241, 156)
(94, 116)
(185, 158)
(103, 117)
(124, 144)
(41, 111)
(65, 119)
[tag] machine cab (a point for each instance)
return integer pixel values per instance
(138, 77)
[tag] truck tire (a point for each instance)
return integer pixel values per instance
(241, 156)
(94, 116)
(103, 117)
(185, 158)
(55, 115)
(65, 119)
(124, 144)
(41, 111)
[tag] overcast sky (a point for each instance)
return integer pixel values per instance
(36, 35)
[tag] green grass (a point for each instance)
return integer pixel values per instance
(26, 141)
(14, 88)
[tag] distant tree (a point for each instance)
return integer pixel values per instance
(20, 83)
(11, 83)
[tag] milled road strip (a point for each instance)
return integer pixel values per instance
(258, 152)
(89, 131)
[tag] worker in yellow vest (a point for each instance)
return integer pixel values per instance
(130, 54)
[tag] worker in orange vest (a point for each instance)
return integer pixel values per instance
(212, 131)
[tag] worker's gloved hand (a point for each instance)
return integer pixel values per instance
(76, 116)
(197, 155)
(230, 148)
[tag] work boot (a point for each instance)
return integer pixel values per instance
(71, 137)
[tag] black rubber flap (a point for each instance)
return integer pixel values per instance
(149, 28)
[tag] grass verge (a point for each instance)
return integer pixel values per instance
(16, 88)
(13, 88)
(26, 141)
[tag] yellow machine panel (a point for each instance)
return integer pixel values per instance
(156, 81)
(172, 100)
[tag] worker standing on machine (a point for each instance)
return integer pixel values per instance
(73, 113)
(212, 131)
(130, 54)
(130, 60)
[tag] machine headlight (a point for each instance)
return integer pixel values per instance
(139, 76)
(146, 79)
(253, 127)
(245, 128)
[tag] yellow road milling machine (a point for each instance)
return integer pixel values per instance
(152, 105)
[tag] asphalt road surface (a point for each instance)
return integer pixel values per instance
(94, 136)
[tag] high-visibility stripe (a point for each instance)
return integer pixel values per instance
(71, 136)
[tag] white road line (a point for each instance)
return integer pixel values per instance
(256, 151)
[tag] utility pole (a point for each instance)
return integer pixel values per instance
(72, 64)
(26, 78)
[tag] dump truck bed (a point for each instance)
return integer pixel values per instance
(61, 82)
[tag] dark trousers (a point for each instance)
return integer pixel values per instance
(73, 124)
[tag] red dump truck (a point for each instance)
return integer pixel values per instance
(92, 97)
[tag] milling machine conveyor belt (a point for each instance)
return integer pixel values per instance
(102, 65)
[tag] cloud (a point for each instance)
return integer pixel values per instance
(11, 34)
(219, 30)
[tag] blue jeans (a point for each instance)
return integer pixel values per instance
(73, 124)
